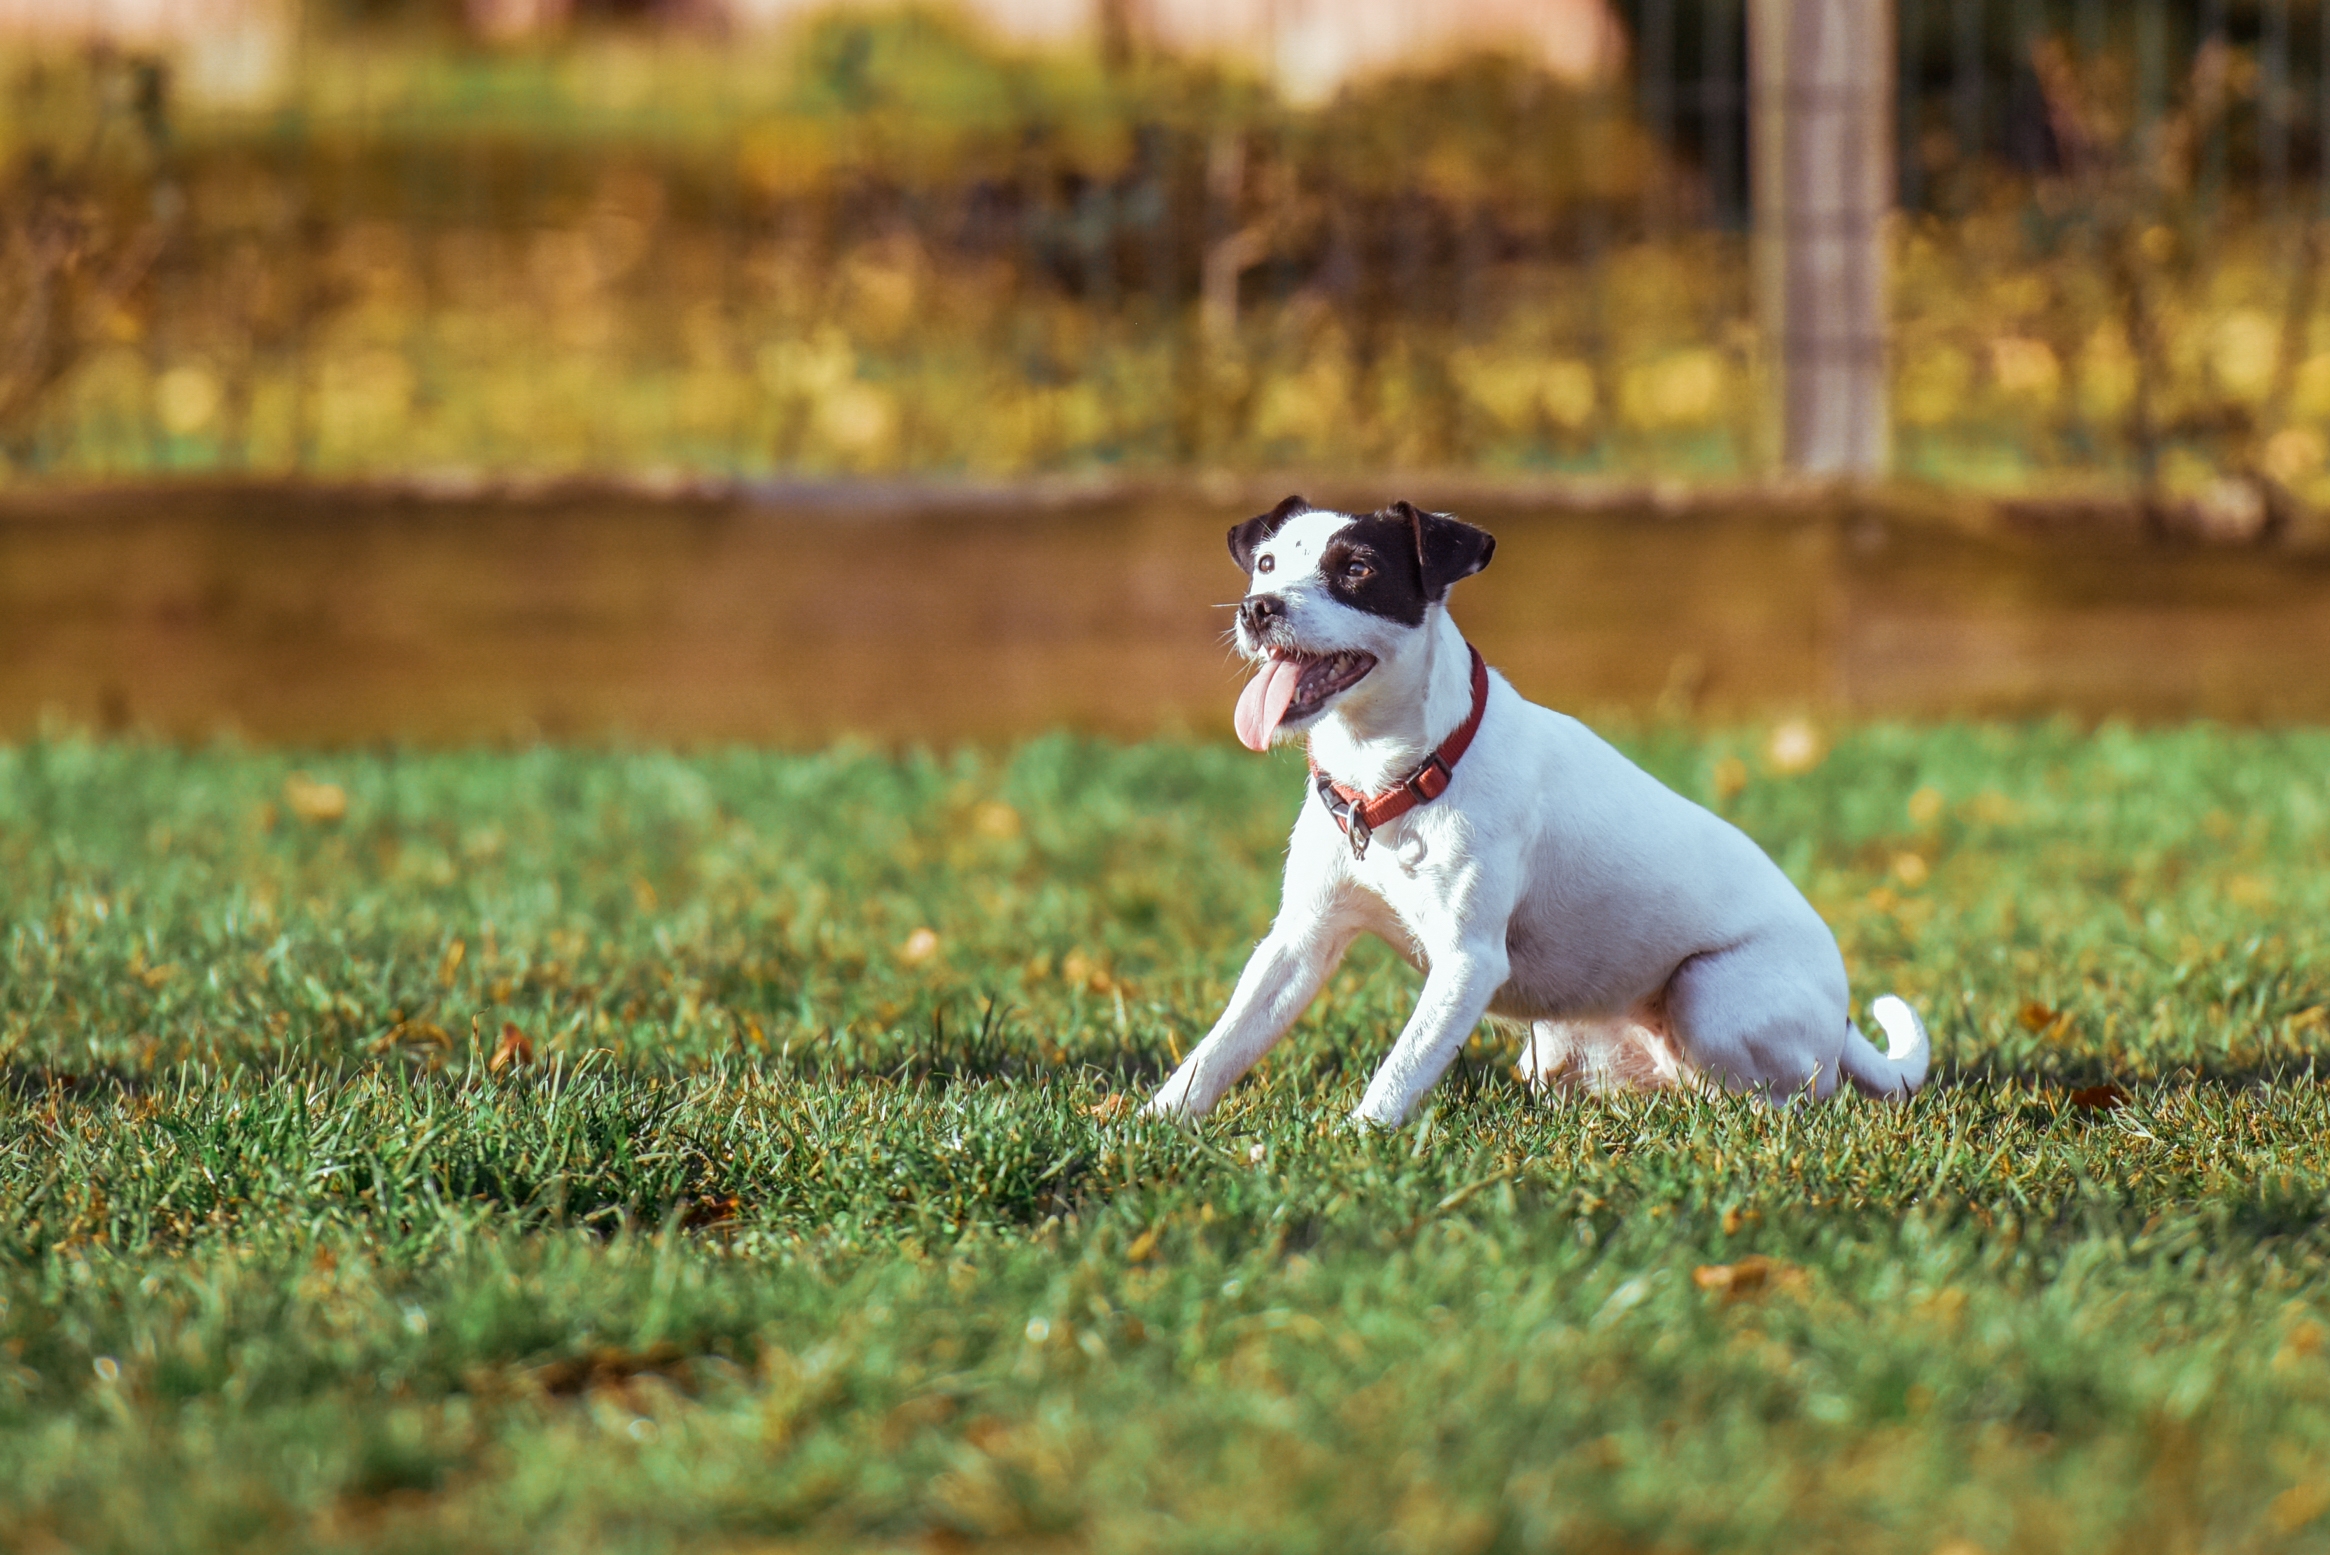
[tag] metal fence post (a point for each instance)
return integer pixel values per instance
(1822, 124)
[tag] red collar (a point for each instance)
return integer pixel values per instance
(1360, 816)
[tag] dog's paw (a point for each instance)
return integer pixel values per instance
(1364, 1122)
(1171, 1108)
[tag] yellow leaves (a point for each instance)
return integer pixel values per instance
(2025, 369)
(315, 802)
(1680, 389)
(449, 965)
(1911, 869)
(1933, 385)
(2294, 454)
(785, 158)
(186, 398)
(2106, 1097)
(2107, 373)
(1110, 1108)
(1517, 390)
(2244, 348)
(1143, 1247)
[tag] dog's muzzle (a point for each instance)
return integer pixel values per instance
(1264, 618)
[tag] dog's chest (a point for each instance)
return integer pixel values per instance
(1411, 869)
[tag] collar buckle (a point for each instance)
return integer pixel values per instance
(1429, 781)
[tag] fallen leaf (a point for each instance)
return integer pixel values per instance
(1749, 1276)
(2298, 1506)
(1142, 1247)
(455, 953)
(313, 801)
(2035, 1016)
(1077, 967)
(512, 1051)
(607, 1365)
(711, 1209)
(1110, 1108)
(2106, 1097)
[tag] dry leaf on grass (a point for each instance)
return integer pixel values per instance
(414, 1033)
(2106, 1097)
(513, 1051)
(1110, 1108)
(313, 801)
(1750, 1276)
(608, 1365)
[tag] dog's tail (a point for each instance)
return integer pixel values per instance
(1899, 1070)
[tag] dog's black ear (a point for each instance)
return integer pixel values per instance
(1447, 549)
(1254, 531)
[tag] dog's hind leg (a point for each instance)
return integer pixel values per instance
(1284, 974)
(1764, 1016)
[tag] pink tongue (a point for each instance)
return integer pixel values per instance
(1264, 701)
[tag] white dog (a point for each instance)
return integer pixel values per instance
(1530, 870)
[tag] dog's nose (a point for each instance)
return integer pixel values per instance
(1258, 611)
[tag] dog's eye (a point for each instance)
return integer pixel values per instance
(1266, 564)
(1357, 572)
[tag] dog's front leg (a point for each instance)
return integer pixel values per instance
(1456, 995)
(1280, 980)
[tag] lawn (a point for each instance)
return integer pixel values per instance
(570, 1149)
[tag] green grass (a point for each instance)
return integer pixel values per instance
(801, 1230)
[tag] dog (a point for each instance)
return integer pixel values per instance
(1528, 869)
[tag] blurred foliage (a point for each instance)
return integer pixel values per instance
(887, 246)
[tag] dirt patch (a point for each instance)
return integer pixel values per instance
(331, 618)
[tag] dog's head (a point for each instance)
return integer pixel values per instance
(1331, 596)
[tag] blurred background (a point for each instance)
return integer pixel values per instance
(708, 369)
